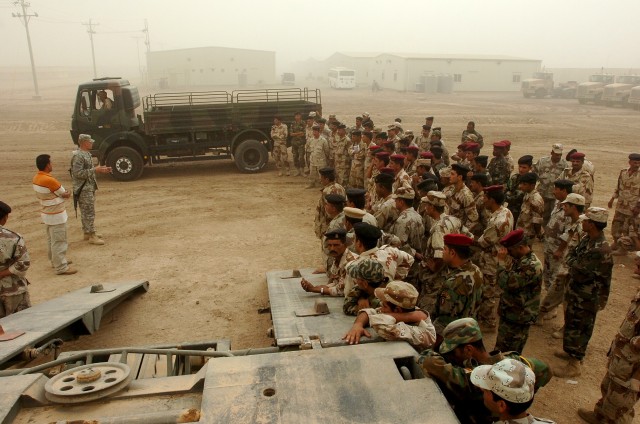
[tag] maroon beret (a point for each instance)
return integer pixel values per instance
(472, 147)
(373, 147)
(494, 188)
(513, 238)
(382, 155)
(507, 143)
(387, 170)
(577, 155)
(397, 157)
(462, 146)
(388, 142)
(500, 144)
(413, 148)
(457, 240)
(426, 155)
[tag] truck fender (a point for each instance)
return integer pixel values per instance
(124, 138)
(251, 134)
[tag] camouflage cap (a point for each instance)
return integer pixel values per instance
(557, 148)
(435, 198)
(404, 193)
(85, 137)
(596, 214)
(510, 379)
(436, 133)
(459, 332)
(399, 293)
(445, 172)
(367, 269)
(423, 162)
(472, 137)
(574, 199)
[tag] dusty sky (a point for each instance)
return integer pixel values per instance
(562, 33)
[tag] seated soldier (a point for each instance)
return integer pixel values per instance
(368, 275)
(397, 318)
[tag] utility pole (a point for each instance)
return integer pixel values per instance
(93, 54)
(147, 42)
(26, 17)
(137, 38)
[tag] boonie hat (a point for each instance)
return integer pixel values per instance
(459, 332)
(510, 379)
(596, 214)
(367, 269)
(398, 293)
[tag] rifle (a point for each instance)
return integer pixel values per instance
(76, 198)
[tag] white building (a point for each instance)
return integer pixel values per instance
(203, 66)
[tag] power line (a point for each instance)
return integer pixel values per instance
(26, 17)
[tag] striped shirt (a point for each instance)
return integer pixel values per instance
(49, 191)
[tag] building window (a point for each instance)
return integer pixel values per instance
(395, 76)
(516, 78)
(457, 77)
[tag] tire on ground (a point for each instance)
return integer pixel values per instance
(126, 163)
(251, 156)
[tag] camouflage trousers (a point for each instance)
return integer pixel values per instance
(429, 285)
(550, 270)
(57, 246)
(314, 175)
(555, 293)
(488, 308)
(356, 177)
(342, 174)
(549, 204)
(578, 328)
(87, 202)
(299, 154)
(511, 336)
(13, 303)
(623, 225)
(280, 154)
(616, 404)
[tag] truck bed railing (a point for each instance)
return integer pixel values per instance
(194, 99)
(277, 95)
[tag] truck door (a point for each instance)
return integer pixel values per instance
(97, 113)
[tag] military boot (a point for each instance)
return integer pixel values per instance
(87, 236)
(558, 334)
(573, 368)
(94, 239)
(589, 416)
(295, 172)
(562, 355)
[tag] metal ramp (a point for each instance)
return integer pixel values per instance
(287, 296)
(68, 316)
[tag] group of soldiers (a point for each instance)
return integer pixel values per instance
(458, 231)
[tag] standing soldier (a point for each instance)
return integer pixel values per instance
(583, 180)
(590, 266)
(384, 210)
(358, 152)
(279, 134)
(308, 135)
(471, 130)
(402, 179)
(318, 149)
(410, 165)
(477, 183)
(329, 186)
(341, 155)
(530, 218)
(298, 142)
(461, 203)
(408, 227)
(498, 168)
(553, 231)
(513, 194)
(549, 169)
(424, 139)
(14, 263)
(521, 283)
(628, 194)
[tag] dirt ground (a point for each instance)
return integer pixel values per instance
(204, 234)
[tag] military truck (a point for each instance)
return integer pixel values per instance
(189, 126)
(540, 85)
(618, 93)
(591, 91)
(565, 90)
(634, 98)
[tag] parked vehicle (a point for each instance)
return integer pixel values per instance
(634, 98)
(540, 85)
(566, 90)
(342, 78)
(591, 91)
(618, 93)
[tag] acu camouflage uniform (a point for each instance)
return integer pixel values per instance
(459, 296)
(298, 144)
(358, 155)
(628, 194)
(548, 173)
(499, 169)
(322, 220)
(590, 267)
(14, 295)
(531, 214)
(84, 175)
(583, 183)
(520, 301)
(462, 205)
(514, 196)
(342, 159)
(279, 135)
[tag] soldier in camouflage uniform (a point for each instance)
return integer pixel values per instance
(590, 267)
(408, 227)
(384, 210)
(471, 130)
(358, 151)
(462, 349)
(499, 225)
(14, 263)
(461, 289)
(329, 186)
(83, 174)
(477, 183)
(620, 386)
(279, 134)
(583, 180)
(521, 283)
(298, 141)
(553, 230)
(308, 135)
(549, 169)
(423, 141)
(341, 156)
(530, 218)
(625, 220)
(499, 168)
(368, 274)
(402, 179)
(461, 203)
(513, 195)
(318, 149)
(479, 167)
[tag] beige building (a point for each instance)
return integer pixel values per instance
(205, 66)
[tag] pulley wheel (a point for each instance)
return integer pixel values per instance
(88, 382)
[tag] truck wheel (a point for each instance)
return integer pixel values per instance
(251, 156)
(126, 163)
(540, 93)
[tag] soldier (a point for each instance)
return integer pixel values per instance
(590, 266)
(298, 141)
(620, 386)
(329, 186)
(279, 135)
(384, 210)
(471, 130)
(508, 156)
(408, 227)
(341, 155)
(402, 179)
(392, 319)
(461, 203)
(437, 161)
(353, 216)
(357, 127)
(318, 149)
(367, 274)
(462, 349)
(83, 174)
(436, 140)
(52, 195)
(356, 199)
(583, 180)
(14, 263)
(549, 169)
(530, 218)
(308, 131)
(334, 206)
(521, 283)
(553, 231)
(499, 168)
(339, 257)
(424, 139)
(460, 294)
(358, 152)
(479, 167)
(513, 195)
(477, 183)
(410, 163)
(499, 225)
(625, 219)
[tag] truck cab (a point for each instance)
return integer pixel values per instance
(540, 85)
(618, 92)
(591, 91)
(634, 98)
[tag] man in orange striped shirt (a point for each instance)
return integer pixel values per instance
(52, 195)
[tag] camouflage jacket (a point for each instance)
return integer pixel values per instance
(463, 206)
(298, 127)
(15, 258)
(423, 143)
(513, 195)
(318, 149)
(350, 305)
(421, 335)
(499, 169)
(321, 222)
(411, 167)
(455, 381)
(402, 179)
(590, 267)
(531, 214)
(279, 133)
(447, 224)
(627, 191)
(358, 153)
(583, 183)
(554, 228)
(408, 227)
(624, 355)
(548, 172)
(337, 272)
(82, 170)
(341, 156)
(480, 141)
(483, 213)
(499, 225)
(385, 212)
(571, 235)
(460, 294)
(521, 284)
(395, 262)
(308, 132)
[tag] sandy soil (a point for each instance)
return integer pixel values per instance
(204, 234)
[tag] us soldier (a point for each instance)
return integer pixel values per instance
(628, 194)
(530, 218)
(358, 152)
(329, 186)
(583, 180)
(521, 283)
(318, 149)
(341, 155)
(471, 130)
(499, 168)
(513, 195)
(549, 169)
(298, 142)
(499, 225)
(461, 203)
(14, 263)
(590, 266)
(620, 386)
(279, 135)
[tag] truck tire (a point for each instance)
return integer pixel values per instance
(540, 93)
(126, 163)
(251, 156)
